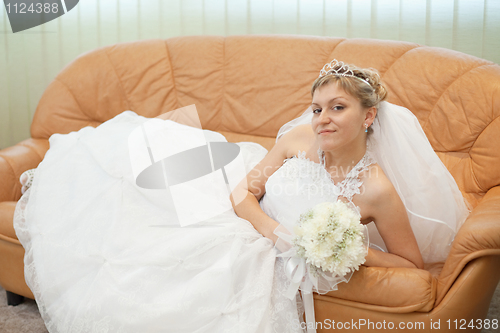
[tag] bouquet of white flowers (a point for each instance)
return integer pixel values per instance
(330, 237)
(326, 245)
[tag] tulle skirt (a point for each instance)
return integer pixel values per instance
(103, 255)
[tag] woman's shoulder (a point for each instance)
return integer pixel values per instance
(287, 146)
(378, 195)
(300, 137)
(299, 132)
(377, 186)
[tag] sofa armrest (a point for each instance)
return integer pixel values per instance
(479, 236)
(394, 290)
(14, 161)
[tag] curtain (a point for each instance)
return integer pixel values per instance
(30, 59)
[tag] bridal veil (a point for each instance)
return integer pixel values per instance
(433, 201)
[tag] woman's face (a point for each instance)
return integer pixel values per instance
(339, 118)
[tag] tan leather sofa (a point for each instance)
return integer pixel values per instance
(246, 87)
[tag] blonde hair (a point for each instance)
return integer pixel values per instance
(369, 95)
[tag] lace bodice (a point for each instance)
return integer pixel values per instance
(302, 183)
(351, 183)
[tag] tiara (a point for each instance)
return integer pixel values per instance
(338, 68)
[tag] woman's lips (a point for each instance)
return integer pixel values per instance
(326, 132)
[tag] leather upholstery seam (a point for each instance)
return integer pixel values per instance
(447, 291)
(10, 165)
(73, 96)
(474, 177)
(32, 149)
(172, 74)
(10, 240)
(472, 169)
(474, 143)
(427, 121)
(417, 46)
(376, 307)
(130, 106)
(259, 136)
(399, 58)
(453, 276)
(484, 129)
(223, 110)
(333, 50)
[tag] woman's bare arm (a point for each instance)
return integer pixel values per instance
(253, 188)
(376, 258)
(390, 216)
(250, 210)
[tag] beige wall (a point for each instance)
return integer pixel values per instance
(29, 60)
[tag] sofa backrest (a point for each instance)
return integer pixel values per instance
(248, 86)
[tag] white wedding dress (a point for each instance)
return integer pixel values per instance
(104, 255)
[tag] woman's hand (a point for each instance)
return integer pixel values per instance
(250, 210)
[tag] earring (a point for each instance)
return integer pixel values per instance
(366, 128)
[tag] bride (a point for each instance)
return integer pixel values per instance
(344, 106)
(105, 255)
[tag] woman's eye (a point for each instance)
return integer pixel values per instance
(316, 110)
(338, 108)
